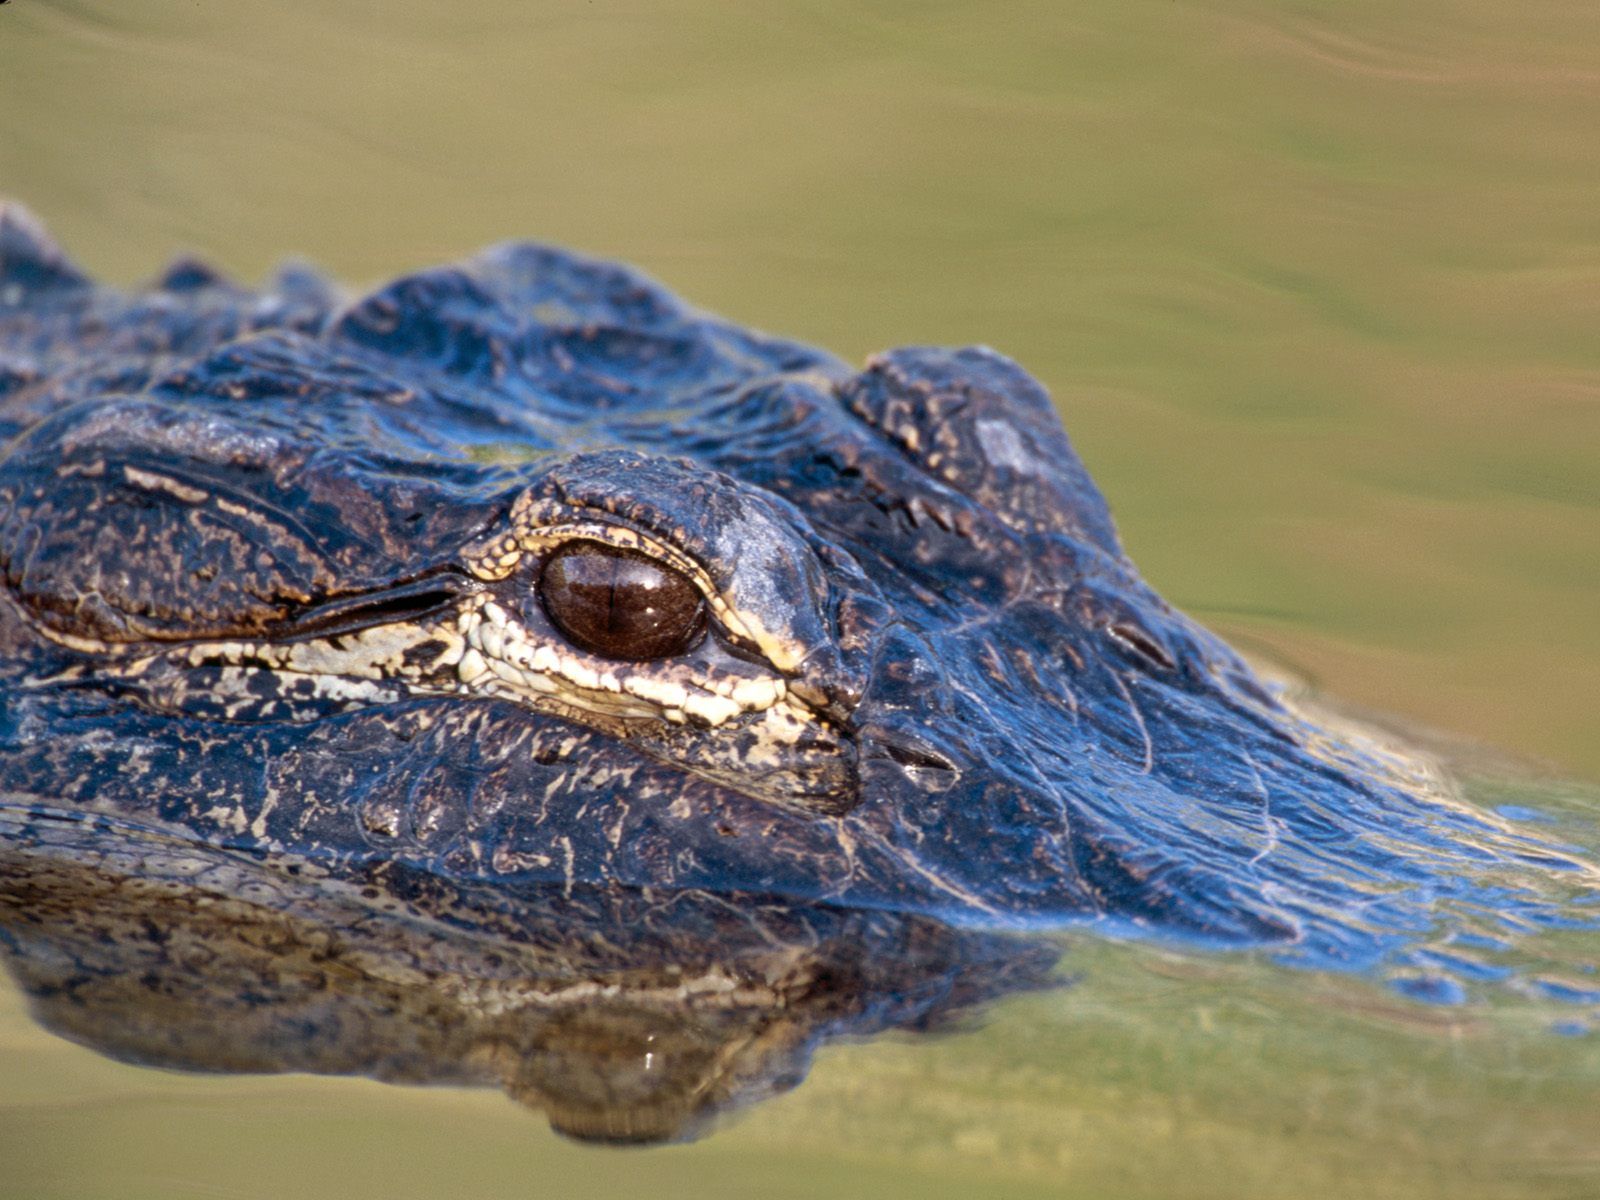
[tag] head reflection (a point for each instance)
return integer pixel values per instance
(625, 1016)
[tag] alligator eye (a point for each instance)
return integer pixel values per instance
(619, 603)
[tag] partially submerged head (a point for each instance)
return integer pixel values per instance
(521, 570)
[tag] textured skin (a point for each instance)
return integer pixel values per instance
(969, 705)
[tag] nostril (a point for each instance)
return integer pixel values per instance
(925, 766)
(1133, 638)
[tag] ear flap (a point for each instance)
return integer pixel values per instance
(977, 422)
(136, 520)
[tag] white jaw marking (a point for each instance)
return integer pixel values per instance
(501, 656)
(484, 650)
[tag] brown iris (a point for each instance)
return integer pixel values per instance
(620, 603)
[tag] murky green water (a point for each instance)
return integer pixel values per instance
(1318, 289)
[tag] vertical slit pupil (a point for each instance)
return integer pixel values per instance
(620, 603)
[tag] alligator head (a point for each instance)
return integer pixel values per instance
(523, 571)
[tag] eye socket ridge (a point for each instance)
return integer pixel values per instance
(620, 603)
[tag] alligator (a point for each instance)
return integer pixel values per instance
(520, 580)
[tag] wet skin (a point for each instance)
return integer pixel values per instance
(522, 574)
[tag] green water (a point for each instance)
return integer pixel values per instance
(1317, 287)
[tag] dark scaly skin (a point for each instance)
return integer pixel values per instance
(250, 542)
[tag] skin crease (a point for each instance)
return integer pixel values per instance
(305, 581)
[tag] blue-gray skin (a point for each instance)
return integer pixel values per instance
(1007, 726)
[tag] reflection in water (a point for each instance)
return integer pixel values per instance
(625, 1016)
